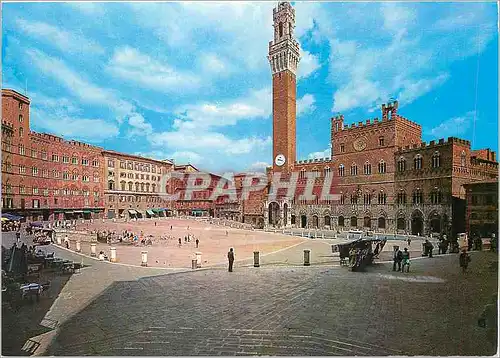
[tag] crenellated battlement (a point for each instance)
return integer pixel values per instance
(433, 143)
(315, 160)
(55, 139)
(8, 124)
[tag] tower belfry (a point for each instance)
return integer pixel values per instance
(284, 57)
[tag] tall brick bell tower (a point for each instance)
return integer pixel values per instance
(284, 57)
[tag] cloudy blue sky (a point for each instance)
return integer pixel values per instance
(190, 81)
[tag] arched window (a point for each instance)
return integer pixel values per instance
(153, 188)
(136, 186)
(354, 169)
(401, 197)
(327, 172)
(302, 174)
(367, 168)
(436, 197)
(111, 185)
(367, 198)
(381, 167)
(417, 162)
(382, 198)
(436, 160)
(342, 199)
(122, 185)
(463, 159)
(354, 198)
(130, 186)
(147, 187)
(142, 186)
(401, 164)
(341, 170)
(418, 196)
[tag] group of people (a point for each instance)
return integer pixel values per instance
(401, 260)
(10, 225)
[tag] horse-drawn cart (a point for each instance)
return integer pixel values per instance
(361, 252)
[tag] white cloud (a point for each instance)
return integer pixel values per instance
(87, 7)
(305, 104)
(453, 127)
(133, 66)
(139, 125)
(414, 89)
(258, 167)
(59, 38)
(327, 153)
(213, 64)
(208, 115)
(92, 130)
(308, 64)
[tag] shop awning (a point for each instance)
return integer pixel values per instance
(165, 209)
(11, 217)
(96, 210)
(87, 212)
(132, 212)
(78, 212)
(150, 212)
(68, 212)
(157, 211)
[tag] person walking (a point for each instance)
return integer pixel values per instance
(197, 242)
(464, 260)
(180, 242)
(397, 258)
(405, 260)
(155, 223)
(230, 257)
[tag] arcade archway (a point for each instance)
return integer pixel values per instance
(274, 212)
(354, 221)
(315, 221)
(435, 222)
(381, 223)
(417, 223)
(401, 224)
(367, 221)
(303, 221)
(341, 221)
(327, 221)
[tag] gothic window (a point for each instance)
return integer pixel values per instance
(327, 172)
(130, 186)
(401, 164)
(153, 188)
(401, 197)
(342, 148)
(122, 185)
(381, 141)
(136, 186)
(367, 199)
(21, 132)
(280, 29)
(417, 197)
(436, 160)
(462, 159)
(302, 174)
(342, 199)
(381, 167)
(436, 197)
(337, 127)
(367, 168)
(341, 170)
(354, 169)
(354, 198)
(382, 198)
(111, 185)
(417, 162)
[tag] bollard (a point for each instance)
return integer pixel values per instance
(144, 258)
(322, 235)
(315, 235)
(83, 221)
(93, 248)
(302, 234)
(78, 247)
(59, 242)
(112, 254)
(256, 260)
(307, 257)
(198, 259)
(193, 264)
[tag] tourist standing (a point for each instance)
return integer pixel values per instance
(180, 242)
(397, 258)
(197, 242)
(230, 257)
(406, 260)
(464, 260)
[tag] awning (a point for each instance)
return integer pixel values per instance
(150, 212)
(58, 211)
(87, 212)
(68, 212)
(96, 210)
(11, 217)
(132, 212)
(165, 209)
(78, 212)
(157, 211)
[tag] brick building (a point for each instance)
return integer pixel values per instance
(133, 186)
(385, 178)
(45, 177)
(482, 208)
